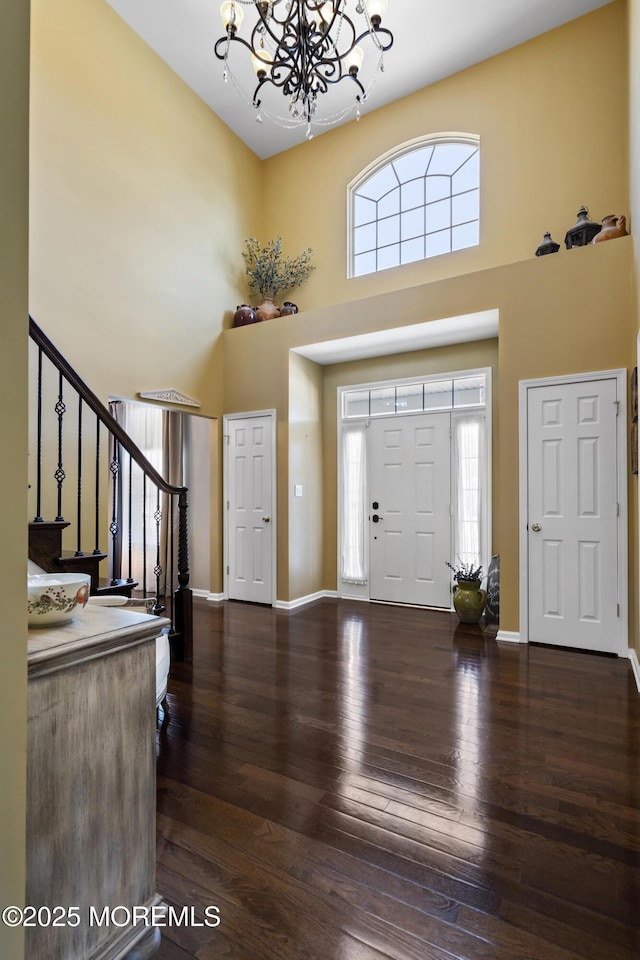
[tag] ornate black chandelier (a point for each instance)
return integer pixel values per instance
(302, 47)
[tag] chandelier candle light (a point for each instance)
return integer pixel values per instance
(301, 48)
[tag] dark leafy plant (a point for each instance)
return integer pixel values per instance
(270, 272)
(465, 571)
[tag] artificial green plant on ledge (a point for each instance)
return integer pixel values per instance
(270, 272)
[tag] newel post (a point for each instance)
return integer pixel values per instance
(184, 596)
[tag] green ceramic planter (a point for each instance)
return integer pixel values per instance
(469, 600)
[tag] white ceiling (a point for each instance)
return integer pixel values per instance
(433, 39)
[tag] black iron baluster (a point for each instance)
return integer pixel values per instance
(79, 552)
(171, 557)
(144, 534)
(113, 526)
(130, 578)
(38, 516)
(158, 608)
(60, 475)
(97, 546)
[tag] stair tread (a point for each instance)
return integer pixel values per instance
(119, 588)
(50, 524)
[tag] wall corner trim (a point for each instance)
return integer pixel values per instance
(508, 636)
(303, 601)
(635, 666)
(214, 597)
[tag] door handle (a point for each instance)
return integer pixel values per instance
(266, 519)
(536, 527)
(376, 518)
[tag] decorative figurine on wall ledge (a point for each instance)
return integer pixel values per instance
(244, 314)
(582, 232)
(547, 246)
(612, 226)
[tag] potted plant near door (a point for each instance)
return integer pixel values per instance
(468, 598)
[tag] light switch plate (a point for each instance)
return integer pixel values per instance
(297, 490)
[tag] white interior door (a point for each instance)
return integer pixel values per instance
(572, 515)
(410, 495)
(250, 509)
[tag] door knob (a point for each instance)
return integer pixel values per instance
(376, 518)
(266, 519)
(536, 527)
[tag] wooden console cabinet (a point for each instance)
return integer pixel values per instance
(91, 785)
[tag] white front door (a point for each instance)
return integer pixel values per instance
(572, 515)
(250, 509)
(410, 495)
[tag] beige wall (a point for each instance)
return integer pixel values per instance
(140, 199)
(306, 520)
(14, 163)
(464, 356)
(552, 134)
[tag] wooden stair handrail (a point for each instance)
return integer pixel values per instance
(92, 401)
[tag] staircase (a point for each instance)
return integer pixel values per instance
(80, 447)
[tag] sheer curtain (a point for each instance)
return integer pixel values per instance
(469, 469)
(160, 436)
(353, 504)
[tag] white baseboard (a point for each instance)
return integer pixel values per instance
(508, 636)
(303, 601)
(200, 593)
(215, 597)
(635, 666)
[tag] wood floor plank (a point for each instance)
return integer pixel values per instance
(369, 782)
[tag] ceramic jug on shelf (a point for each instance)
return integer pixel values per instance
(612, 226)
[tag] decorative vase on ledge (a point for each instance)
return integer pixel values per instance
(612, 226)
(267, 310)
(244, 314)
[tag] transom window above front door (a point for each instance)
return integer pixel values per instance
(419, 201)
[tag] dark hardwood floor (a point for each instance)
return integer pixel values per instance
(356, 782)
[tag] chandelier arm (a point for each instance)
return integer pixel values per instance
(374, 35)
(233, 39)
(280, 82)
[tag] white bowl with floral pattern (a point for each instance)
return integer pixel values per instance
(55, 598)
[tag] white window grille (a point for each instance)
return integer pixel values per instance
(421, 201)
(428, 396)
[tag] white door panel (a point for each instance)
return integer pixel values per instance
(573, 527)
(409, 479)
(250, 510)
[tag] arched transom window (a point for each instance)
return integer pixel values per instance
(420, 202)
